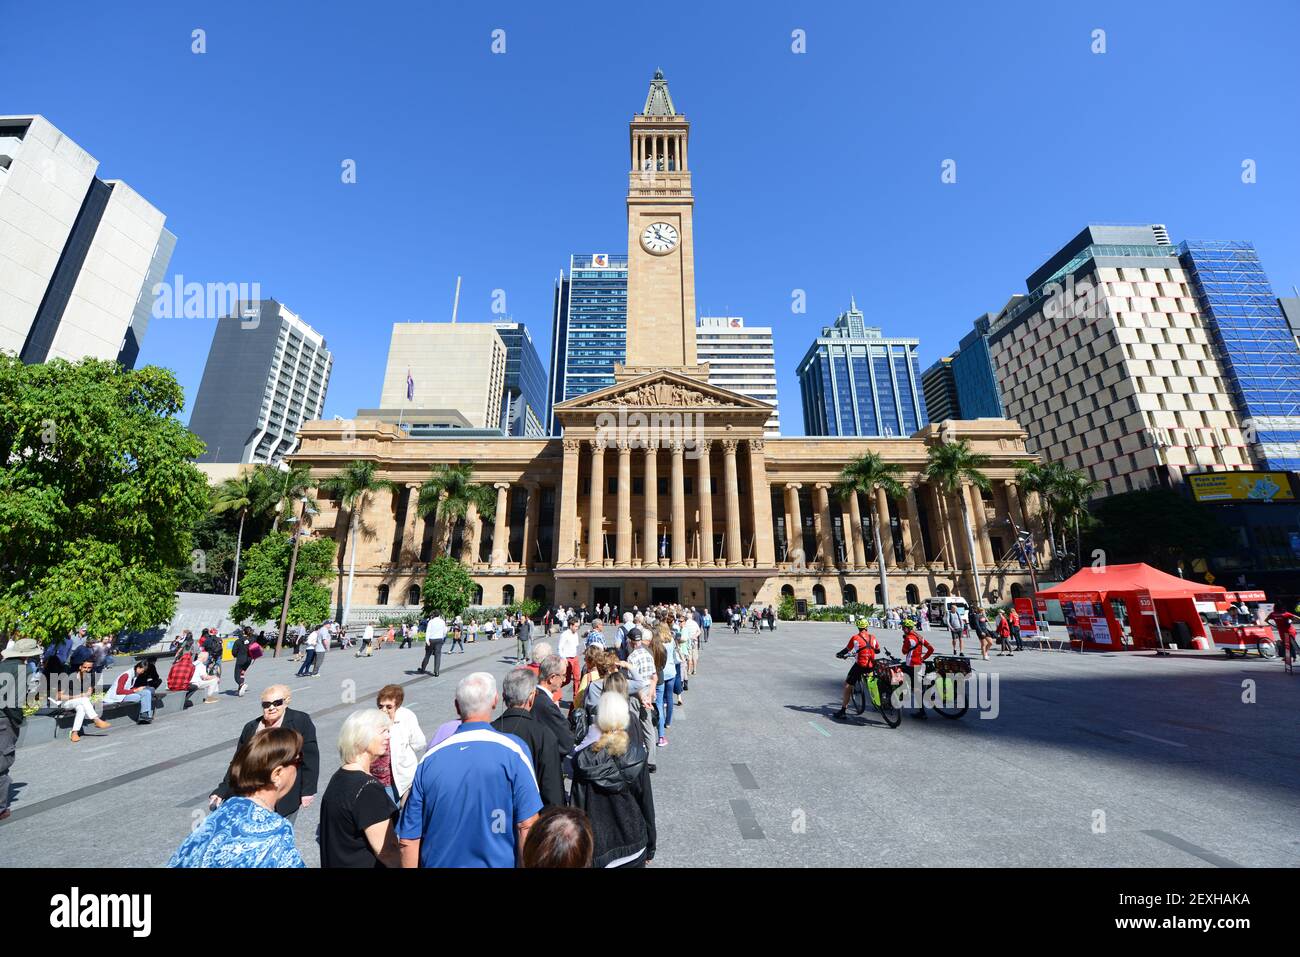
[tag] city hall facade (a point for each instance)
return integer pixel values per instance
(665, 488)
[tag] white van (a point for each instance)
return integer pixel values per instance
(936, 609)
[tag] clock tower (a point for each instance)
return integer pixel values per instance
(660, 239)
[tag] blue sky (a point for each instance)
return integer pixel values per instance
(817, 171)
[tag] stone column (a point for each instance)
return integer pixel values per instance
(886, 529)
(732, 496)
(1014, 508)
(705, 482)
(679, 503)
(531, 517)
(650, 525)
(858, 546)
(982, 544)
(410, 549)
(470, 538)
(913, 540)
(825, 535)
(623, 545)
(796, 522)
(501, 531)
(761, 492)
(596, 506)
(566, 536)
(957, 529)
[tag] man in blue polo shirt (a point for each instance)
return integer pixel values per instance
(475, 795)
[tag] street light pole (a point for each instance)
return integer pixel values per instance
(288, 585)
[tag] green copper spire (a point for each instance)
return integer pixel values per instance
(658, 102)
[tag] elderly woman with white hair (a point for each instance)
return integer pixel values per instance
(611, 782)
(356, 813)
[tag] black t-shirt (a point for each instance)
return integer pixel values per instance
(352, 802)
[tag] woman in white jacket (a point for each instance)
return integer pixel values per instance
(406, 740)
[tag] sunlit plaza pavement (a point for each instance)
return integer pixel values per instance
(1125, 760)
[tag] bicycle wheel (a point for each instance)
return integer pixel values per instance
(889, 710)
(859, 698)
(1267, 648)
(951, 701)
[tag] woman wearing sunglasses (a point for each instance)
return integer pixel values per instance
(245, 830)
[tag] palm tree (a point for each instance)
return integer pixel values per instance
(353, 487)
(279, 485)
(239, 494)
(1042, 479)
(448, 493)
(950, 466)
(866, 474)
(1070, 497)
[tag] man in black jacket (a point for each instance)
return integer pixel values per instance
(276, 713)
(547, 713)
(518, 689)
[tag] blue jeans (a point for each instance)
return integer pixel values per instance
(307, 663)
(145, 697)
(664, 701)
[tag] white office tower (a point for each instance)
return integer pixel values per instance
(266, 375)
(79, 256)
(741, 359)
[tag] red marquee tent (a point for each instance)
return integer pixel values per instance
(1096, 600)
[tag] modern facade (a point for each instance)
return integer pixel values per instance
(940, 391)
(665, 486)
(79, 255)
(854, 381)
(458, 366)
(742, 359)
(1109, 366)
(978, 394)
(523, 401)
(267, 373)
(589, 330)
(1254, 342)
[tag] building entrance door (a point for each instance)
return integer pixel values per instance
(720, 599)
(607, 594)
(663, 594)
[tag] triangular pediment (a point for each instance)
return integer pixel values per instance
(664, 389)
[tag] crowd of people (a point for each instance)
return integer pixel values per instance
(551, 769)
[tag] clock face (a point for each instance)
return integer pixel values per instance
(659, 238)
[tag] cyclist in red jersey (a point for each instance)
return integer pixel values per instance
(916, 649)
(864, 647)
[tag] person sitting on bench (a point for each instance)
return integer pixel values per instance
(72, 693)
(204, 681)
(132, 686)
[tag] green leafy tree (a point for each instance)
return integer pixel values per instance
(448, 494)
(951, 466)
(97, 496)
(448, 588)
(865, 475)
(212, 547)
(353, 487)
(262, 595)
(1156, 526)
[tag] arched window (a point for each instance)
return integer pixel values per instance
(413, 595)
(1017, 590)
(941, 591)
(787, 590)
(850, 595)
(382, 598)
(880, 595)
(913, 595)
(819, 595)
(478, 595)
(539, 595)
(508, 595)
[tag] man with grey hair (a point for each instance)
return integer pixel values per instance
(474, 795)
(547, 713)
(518, 690)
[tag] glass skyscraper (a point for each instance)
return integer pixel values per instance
(1255, 343)
(590, 329)
(854, 381)
(523, 400)
(978, 396)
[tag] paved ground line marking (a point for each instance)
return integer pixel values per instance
(1209, 856)
(1102, 734)
(1193, 727)
(749, 828)
(819, 729)
(1152, 737)
(745, 777)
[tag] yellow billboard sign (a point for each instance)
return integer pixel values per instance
(1242, 487)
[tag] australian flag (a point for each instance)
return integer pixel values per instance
(410, 386)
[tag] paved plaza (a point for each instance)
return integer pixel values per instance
(1122, 760)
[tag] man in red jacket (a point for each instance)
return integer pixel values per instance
(916, 648)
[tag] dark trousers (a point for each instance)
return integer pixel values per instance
(307, 663)
(456, 639)
(8, 748)
(406, 642)
(241, 666)
(433, 649)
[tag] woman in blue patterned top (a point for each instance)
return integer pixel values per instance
(245, 831)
